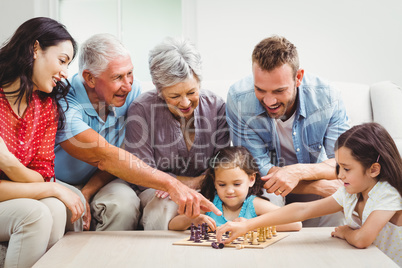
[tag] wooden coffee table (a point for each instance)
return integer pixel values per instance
(311, 247)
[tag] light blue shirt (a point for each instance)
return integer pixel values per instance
(81, 116)
(247, 210)
(319, 120)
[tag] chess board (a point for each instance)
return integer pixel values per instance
(239, 240)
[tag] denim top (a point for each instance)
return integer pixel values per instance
(319, 120)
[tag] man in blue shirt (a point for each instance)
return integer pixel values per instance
(289, 121)
(88, 150)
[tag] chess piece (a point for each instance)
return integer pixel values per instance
(192, 232)
(269, 233)
(261, 237)
(254, 241)
(245, 239)
(206, 235)
(197, 236)
(217, 246)
(274, 233)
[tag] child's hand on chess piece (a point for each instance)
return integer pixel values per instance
(205, 219)
(182, 222)
(236, 229)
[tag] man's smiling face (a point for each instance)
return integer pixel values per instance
(277, 89)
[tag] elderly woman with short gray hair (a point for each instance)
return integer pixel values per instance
(176, 128)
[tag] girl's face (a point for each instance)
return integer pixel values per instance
(355, 177)
(232, 186)
(50, 65)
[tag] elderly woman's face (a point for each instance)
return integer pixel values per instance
(182, 98)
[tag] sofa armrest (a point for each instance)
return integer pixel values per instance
(386, 99)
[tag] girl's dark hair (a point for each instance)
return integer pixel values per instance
(369, 142)
(232, 157)
(17, 58)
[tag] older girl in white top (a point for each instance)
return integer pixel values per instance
(370, 167)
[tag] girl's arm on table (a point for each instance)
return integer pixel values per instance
(365, 236)
(263, 206)
(290, 213)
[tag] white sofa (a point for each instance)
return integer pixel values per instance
(364, 103)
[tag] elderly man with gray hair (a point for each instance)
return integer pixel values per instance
(176, 128)
(88, 150)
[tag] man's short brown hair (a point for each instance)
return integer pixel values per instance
(275, 51)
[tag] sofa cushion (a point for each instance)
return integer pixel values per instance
(386, 98)
(357, 102)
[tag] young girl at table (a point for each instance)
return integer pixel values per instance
(233, 183)
(33, 209)
(370, 167)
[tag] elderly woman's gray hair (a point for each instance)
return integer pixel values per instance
(98, 51)
(174, 61)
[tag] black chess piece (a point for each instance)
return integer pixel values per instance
(206, 236)
(192, 232)
(197, 236)
(217, 246)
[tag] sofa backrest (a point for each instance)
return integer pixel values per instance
(386, 99)
(355, 96)
(379, 102)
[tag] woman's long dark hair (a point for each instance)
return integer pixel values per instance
(232, 157)
(17, 58)
(369, 142)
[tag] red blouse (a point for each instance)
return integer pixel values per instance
(31, 138)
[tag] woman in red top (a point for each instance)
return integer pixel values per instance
(32, 207)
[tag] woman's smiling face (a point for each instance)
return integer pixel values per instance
(50, 65)
(182, 98)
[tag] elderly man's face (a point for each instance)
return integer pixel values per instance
(277, 89)
(114, 84)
